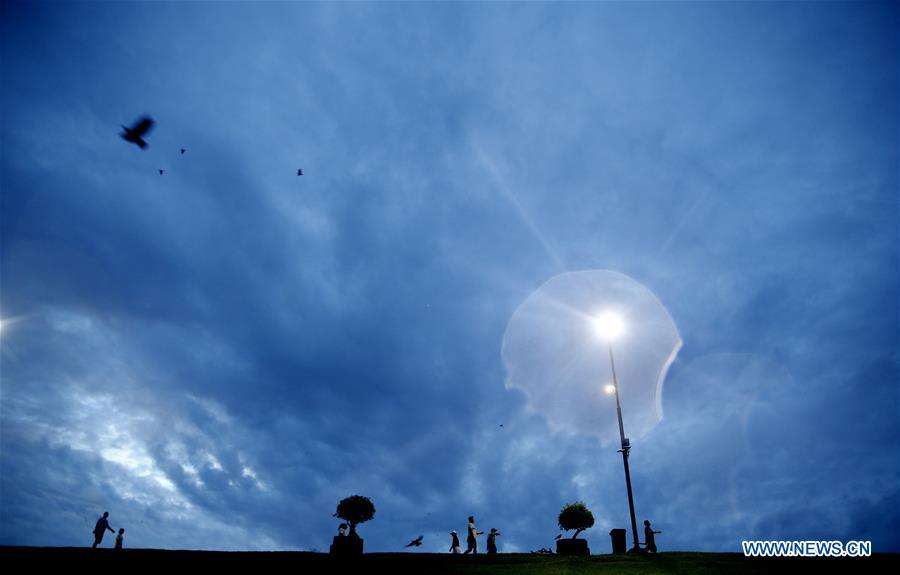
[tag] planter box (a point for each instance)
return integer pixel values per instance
(572, 547)
(346, 546)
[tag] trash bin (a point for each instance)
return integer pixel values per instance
(618, 540)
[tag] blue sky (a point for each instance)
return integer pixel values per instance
(219, 354)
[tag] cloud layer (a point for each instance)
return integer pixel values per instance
(219, 354)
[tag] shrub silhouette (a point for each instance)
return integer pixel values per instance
(576, 516)
(354, 510)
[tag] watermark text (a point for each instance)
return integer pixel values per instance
(807, 548)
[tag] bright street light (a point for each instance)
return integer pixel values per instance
(608, 325)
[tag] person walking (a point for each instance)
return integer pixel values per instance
(649, 537)
(100, 529)
(471, 541)
(492, 542)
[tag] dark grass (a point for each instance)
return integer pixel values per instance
(426, 563)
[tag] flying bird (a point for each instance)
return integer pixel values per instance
(299, 172)
(182, 151)
(135, 133)
(161, 172)
(415, 542)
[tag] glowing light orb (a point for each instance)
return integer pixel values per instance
(551, 353)
(608, 325)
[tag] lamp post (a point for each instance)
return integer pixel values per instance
(609, 325)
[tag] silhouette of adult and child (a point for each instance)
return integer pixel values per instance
(100, 529)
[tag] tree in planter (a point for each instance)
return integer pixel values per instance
(354, 510)
(576, 516)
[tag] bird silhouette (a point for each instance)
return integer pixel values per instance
(182, 151)
(135, 133)
(299, 172)
(161, 172)
(415, 542)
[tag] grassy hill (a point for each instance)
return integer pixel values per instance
(427, 563)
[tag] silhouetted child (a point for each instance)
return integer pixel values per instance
(454, 543)
(100, 529)
(342, 530)
(120, 538)
(649, 537)
(471, 541)
(492, 542)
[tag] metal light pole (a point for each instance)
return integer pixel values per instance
(626, 447)
(609, 325)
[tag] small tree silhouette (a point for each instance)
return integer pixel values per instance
(355, 509)
(576, 516)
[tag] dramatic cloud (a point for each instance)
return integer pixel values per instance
(218, 354)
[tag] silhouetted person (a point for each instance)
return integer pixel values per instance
(342, 530)
(492, 542)
(649, 537)
(471, 541)
(120, 538)
(135, 133)
(415, 542)
(100, 529)
(454, 543)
